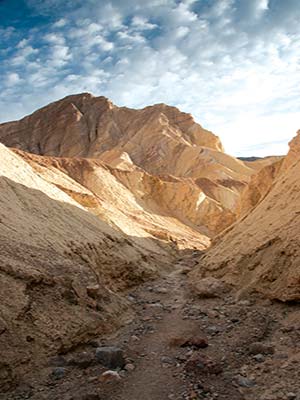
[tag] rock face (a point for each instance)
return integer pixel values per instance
(87, 126)
(62, 268)
(133, 201)
(293, 154)
(259, 186)
(261, 251)
(94, 199)
(171, 165)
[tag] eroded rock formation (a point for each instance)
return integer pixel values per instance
(260, 252)
(62, 268)
(168, 165)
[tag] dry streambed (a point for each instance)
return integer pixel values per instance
(181, 346)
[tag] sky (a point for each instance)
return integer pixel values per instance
(233, 64)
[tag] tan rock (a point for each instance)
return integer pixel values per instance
(174, 169)
(259, 186)
(208, 287)
(110, 376)
(54, 255)
(261, 251)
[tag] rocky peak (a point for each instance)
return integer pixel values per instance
(294, 152)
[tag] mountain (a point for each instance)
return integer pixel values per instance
(258, 163)
(97, 199)
(171, 166)
(260, 252)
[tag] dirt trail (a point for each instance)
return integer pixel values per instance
(231, 367)
(156, 375)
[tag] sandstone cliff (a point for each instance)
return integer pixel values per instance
(168, 165)
(258, 187)
(261, 251)
(86, 126)
(133, 201)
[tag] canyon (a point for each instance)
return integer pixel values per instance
(103, 206)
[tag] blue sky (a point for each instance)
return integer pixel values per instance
(233, 64)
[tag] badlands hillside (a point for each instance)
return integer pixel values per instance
(133, 229)
(61, 267)
(173, 167)
(260, 252)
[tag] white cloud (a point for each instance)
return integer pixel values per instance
(142, 23)
(23, 43)
(59, 56)
(22, 55)
(54, 38)
(60, 23)
(181, 32)
(12, 79)
(233, 64)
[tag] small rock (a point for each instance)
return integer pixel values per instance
(129, 367)
(58, 373)
(167, 360)
(260, 348)
(110, 357)
(213, 330)
(244, 382)
(291, 396)
(122, 373)
(193, 341)
(202, 363)
(93, 291)
(92, 379)
(209, 287)
(135, 338)
(181, 358)
(82, 360)
(198, 342)
(244, 303)
(259, 358)
(110, 376)
(161, 290)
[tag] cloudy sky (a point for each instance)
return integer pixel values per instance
(233, 64)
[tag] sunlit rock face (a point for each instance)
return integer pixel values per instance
(174, 169)
(260, 252)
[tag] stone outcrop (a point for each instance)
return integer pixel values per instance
(260, 252)
(87, 126)
(133, 201)
(169, 166)
(258, 187)
(293, 154)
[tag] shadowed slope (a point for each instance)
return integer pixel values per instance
(261, 251)
(61, 268)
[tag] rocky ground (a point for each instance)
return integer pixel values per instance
(181, 346)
